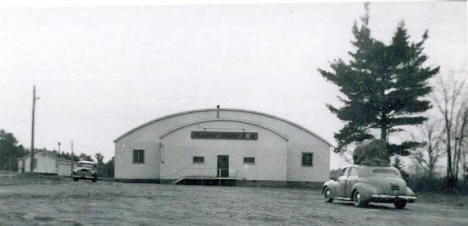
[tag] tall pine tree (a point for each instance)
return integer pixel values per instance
(382, 87)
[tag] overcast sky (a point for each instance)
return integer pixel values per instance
(101, 71)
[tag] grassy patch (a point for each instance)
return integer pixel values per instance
(459, 200)
(45, 218)
(22, 179)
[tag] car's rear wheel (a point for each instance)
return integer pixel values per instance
(358, 201)
(400, 204)
(94, 180)
(75, 179)
(327, 195)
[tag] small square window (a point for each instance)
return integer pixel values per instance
(249, 160)
(139, 156)
(307, 159)
(353, 172)
(198, 159)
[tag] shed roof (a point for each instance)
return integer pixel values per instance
(48, 153)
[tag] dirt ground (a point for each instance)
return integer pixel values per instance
(63, 202)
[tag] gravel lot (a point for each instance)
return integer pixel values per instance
(63, 202)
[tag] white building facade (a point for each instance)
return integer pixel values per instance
(45, 162)
(250, 147)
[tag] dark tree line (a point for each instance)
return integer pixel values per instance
(10, 151)
(65, 155)
(104, 169)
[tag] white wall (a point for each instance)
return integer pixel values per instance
(124, 166)
(321, 161)
(147, 137)
(20, 165)
(45, 163)
(64, 168)
(269, 151)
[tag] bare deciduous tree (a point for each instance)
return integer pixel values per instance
(427, 156)
(449, 100)
(465, 155)
(460, 137)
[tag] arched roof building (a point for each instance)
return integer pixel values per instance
(242, 145)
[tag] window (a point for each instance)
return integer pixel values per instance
(353, 172)
(385, 172)
(86, 165)
(198, 159)
(249, 160)
(34, 163)
(307, 159)
(139, 156)
(346, 172)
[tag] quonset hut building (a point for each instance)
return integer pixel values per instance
(241, 146)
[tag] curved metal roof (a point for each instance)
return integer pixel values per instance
(221, 110)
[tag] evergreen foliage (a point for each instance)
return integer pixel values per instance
(382, 87)
(86, 157)
(68, 156)
(108, 169)
(9, 151)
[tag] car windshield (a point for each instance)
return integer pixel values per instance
(385, 172)
(85, 165)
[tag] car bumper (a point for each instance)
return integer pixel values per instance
(392, 198)
(90, 177)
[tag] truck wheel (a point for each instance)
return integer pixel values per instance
(357, 199)
(400, 204)
(327, 194)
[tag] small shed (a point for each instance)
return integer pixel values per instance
(45, 162)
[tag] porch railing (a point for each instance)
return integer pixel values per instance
(203, 172)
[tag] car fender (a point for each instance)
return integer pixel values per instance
(409, 192)
(333, 186)
(365, 189)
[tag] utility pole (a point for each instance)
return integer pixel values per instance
(71, 173)
(31, 164)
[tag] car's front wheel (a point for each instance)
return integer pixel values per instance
(75, 179)
(358, 201)
(400, 204)
(327, 195)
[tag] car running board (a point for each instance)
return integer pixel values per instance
(344, 199)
